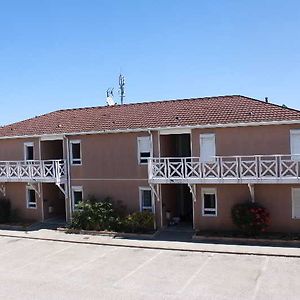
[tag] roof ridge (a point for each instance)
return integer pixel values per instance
(146, 102)
(273, 104)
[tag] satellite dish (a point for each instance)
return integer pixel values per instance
(109, 97)
(110, 101)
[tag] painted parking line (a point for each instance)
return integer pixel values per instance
(147, 262)
(193, 276)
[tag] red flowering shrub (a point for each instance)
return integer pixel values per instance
(251, 218)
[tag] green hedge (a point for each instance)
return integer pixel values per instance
(101, 215)
(139, 222)
(95, 215)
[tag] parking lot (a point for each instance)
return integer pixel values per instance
(34, 269)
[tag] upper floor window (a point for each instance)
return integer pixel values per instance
(209, 202)
(77, 195)
(144, 149)
(295, 144)
(75, 152)
(31, 198)
(207, 147)
(146, 199)
(28, 151)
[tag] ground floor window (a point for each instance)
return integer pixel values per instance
(146, 199)
(31, 197)
(296, 203)
(209, 202)
(77, 195)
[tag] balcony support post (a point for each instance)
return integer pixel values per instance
(192, 188)
(3, 190)
(251, 190)
(36, 187)
(64, 189)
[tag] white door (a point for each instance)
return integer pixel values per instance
(295, 144)
(207, 147)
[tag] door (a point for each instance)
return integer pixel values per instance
(207, 147)
(295, 144)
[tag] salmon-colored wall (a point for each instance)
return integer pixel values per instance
(247, 140)
(16, 192)
(109, 156)
(276, 199)
(13, 149)
(125, 192)
(227, 196)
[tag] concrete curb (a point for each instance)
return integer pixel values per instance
(244, 240)
(170, 247)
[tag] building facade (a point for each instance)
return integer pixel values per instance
(191, 160)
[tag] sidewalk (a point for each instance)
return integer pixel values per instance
(53, 235)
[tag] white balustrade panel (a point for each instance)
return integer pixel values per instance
(222, 169)
(33, 170)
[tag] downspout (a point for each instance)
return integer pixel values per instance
(151, 156)
(68, 178)
(41, 196)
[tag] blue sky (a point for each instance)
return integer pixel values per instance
(58, 54)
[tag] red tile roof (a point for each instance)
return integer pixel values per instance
(171, 113)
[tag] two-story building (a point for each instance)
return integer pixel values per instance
(191, 159)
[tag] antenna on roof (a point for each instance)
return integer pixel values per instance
(110, 97)
(121, 87)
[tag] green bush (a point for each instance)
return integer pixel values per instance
(251, 218)
(95, 215)
(139, 222)
(5, 210)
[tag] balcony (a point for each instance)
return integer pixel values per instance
(225, 169)
(33, 171)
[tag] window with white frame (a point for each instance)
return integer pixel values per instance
(209, 202)
(296, 203)
(146, 199)
(295, 144)
(77, 195)
(28, 151)
(31, 197)
(144, 149)
(75, 152)
(207, 147)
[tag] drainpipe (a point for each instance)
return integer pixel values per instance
(41, 196)
(151, 154)
(68, 178)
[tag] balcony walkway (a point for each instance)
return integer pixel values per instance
(225, 169)
(33, 171)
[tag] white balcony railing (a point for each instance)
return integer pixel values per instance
(226, 169)
(33, 171)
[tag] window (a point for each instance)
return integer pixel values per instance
(75, 152)
(207, 147)
(31, 197)
(77, 195)
(209, 202)
(28, 151)
(296, 203)
(146, 199)
(295, 144)
(144, 149)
